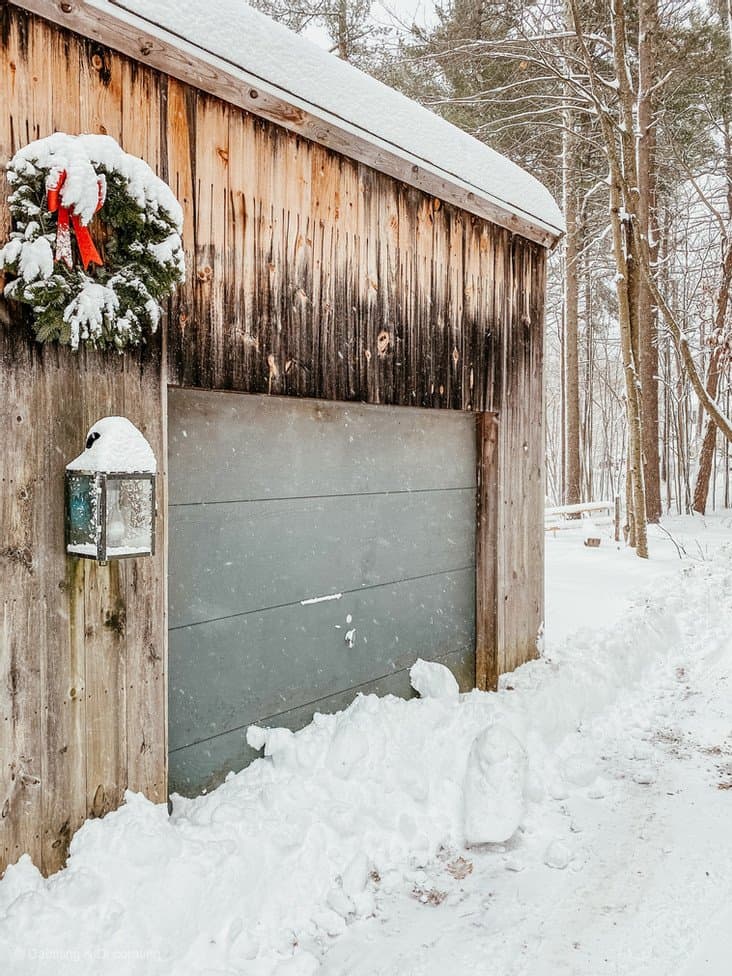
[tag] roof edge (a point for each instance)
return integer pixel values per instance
(132, 35)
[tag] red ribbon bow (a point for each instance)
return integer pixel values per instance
(87, 249)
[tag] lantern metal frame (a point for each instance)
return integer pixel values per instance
(99, 487)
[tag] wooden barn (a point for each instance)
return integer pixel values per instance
(344, 400)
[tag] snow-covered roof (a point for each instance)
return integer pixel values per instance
(231, 50)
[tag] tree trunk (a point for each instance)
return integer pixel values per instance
(589, 383)
(623, 208)
(571, 316)
(648, 227)
(706, 456)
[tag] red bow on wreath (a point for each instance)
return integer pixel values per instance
(67, 219)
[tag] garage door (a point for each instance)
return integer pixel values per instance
(315, 550)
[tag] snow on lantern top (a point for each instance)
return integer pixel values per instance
(115, 444)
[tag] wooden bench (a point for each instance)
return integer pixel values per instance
(601, 513)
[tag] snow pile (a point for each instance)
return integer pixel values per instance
(432, 680)
(270, 55)
(115, 444)
(494, 787)
(261, 875)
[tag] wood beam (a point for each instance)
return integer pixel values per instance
(486, 554)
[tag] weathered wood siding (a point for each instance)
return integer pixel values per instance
(316, 276)
(82, 648)
(520, 484)
(309, 275)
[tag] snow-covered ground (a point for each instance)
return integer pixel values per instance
(608, 762)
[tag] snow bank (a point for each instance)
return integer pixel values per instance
(261, 875)
(305, 75)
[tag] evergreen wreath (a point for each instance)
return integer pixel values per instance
(78, 296)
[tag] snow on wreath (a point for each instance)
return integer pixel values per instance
(99, 285)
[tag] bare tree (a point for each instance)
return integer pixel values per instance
(647, 227)
(720, 337)
(572, 472)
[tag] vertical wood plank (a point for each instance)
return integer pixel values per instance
(22, 625)
(60, 378)
(101, 80)
(327, 220)
(241, 276)
(180, 170)
(406, 295)
(350, 319)
(297, 250)
(145, 594)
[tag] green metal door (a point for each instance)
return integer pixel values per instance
(315, 551)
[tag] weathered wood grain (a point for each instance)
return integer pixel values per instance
(23, 623)
(143, 396)
(521, 446)
(315, 276)
(180, 173)
(63, 784)
(100, 109)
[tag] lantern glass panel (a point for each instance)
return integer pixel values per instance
(129, 515)
(81, 513)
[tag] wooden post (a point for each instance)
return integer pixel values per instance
(617, 518)
(486, 554)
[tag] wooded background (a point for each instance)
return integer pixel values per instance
(575, 90)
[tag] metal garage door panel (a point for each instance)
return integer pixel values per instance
(228, 446)
(259, 665)
(251, 555)
(274, 502)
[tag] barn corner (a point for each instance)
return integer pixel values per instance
(345, 403)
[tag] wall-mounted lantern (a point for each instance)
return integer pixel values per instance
(110, 494)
